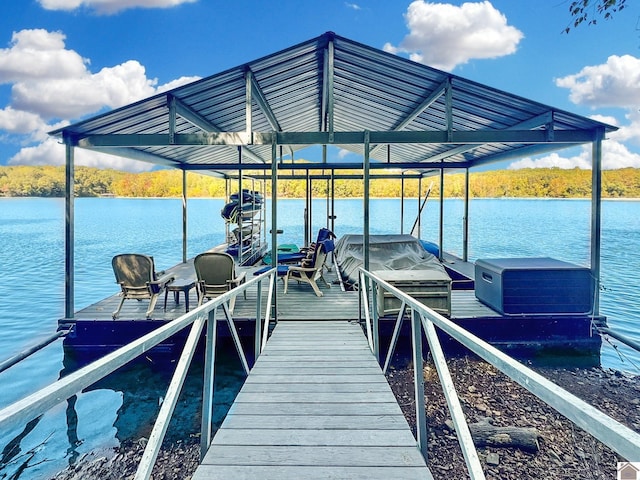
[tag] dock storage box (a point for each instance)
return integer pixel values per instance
(515, 286)
(430, 287)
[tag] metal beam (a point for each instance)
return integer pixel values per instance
(427, 167)
(248, 117)
(138, 155)
(531, 123)
(258, 96)
(465, 221)
(191, 115)
(184, 216)
(327, 91)
(596, 219)
(449, 109)
(69, 239)
(201, 122)
(442, 137)
(323, 138)
(424, 105)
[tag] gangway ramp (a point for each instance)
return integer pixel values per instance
(316, 405)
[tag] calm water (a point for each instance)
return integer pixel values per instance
(32, 269)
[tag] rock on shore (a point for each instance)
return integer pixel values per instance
(486, 394)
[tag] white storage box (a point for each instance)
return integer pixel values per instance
(429, 287)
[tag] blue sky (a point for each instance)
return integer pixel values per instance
(64, 60)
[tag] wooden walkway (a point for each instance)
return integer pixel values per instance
(316, 405)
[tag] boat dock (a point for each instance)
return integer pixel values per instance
(315, 405)
(94, 331)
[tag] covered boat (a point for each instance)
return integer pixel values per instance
(386, 252)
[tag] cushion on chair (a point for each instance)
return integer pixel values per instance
(282, 270)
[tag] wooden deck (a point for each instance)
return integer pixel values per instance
(299, 303)
(96, 333)
(316, 405)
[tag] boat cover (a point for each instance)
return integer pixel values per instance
(386, 252)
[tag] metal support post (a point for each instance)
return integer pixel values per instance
(418, 382)
(69, 241)
(209, 377)
(184, 216)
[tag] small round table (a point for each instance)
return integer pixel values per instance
(177, 286)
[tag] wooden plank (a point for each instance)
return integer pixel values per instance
(316, 387)
(278, 472)
(318, 347)
(337, 359)
(297, 422)
(316, 403)
(337, 456)
(297, 378)
(313, 397)
(360, 409)
(327, 353)
(280, 361)
(318, 437)
(296, 369)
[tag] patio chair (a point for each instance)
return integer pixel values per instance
(287, 258)
(138, 279)
(311, 271)
(216, 275)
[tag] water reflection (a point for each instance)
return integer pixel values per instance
(118, 409)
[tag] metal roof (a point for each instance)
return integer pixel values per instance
(332, 91)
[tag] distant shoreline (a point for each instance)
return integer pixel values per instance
(604, 199)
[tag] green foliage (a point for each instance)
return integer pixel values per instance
(23, 181)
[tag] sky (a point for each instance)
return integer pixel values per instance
(65, 60)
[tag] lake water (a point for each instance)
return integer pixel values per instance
(32, 269)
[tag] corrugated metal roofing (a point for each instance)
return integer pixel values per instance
(331, 85)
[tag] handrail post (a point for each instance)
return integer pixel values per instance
(365, 303)
(258, 334)
(394, 337)
(272, 289)
(463, 433)
(161, 425)
(207, 391)
(235, 337)
(374, 320)
(418, 382)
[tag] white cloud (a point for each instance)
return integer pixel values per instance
(49, 81)
(353, 6)
(614, 155)
(37, 54)
(444, 35)
(19, 122)
(74, 97)
(109, 6)
(615, 83)
(554, 161)
(175, 84)
(343, 153)
(628, 133)
(50, 152)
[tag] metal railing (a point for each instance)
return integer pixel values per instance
(616, 436)
(39, 402)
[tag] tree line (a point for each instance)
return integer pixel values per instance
(49, 181)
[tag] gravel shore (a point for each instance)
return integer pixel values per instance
(486, 395)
